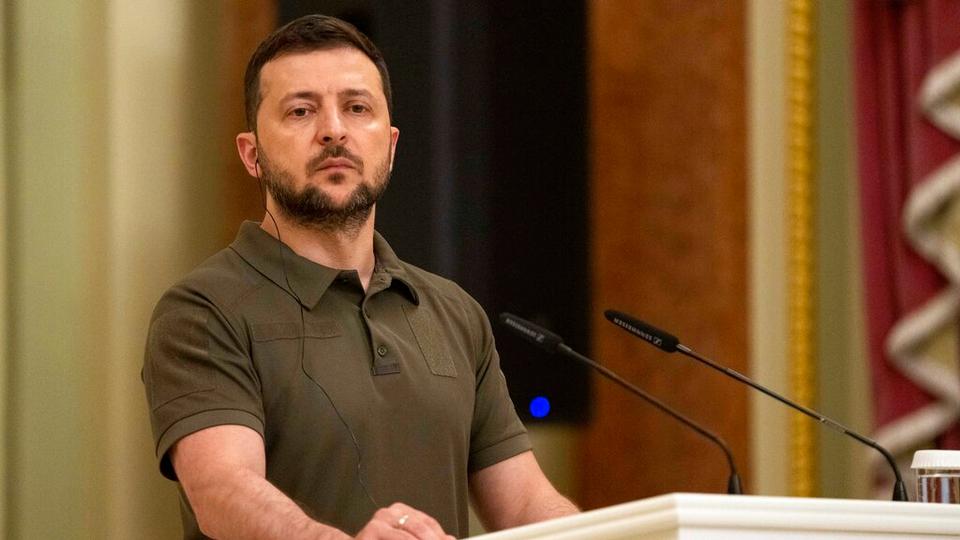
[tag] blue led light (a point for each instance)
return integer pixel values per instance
(539, 407)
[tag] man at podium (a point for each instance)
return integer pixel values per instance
(307, 383)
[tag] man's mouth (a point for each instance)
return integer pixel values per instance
(336, 163)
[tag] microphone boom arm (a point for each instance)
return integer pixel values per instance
(552, 343)
(669, 343)
(734, 486)
(899, 489)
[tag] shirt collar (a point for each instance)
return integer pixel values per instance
(388, 262)
(308, 279)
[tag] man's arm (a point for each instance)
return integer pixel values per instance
(515, 492)
(222, 470)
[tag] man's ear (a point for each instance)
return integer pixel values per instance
(249, 155)
(394, 137)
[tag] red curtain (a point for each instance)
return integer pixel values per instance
(897, 45)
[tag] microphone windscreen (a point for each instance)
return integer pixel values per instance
(541, 337)
(651, 334)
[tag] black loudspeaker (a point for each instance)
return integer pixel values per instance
(490, 182)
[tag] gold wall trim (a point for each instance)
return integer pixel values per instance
(4, 263)
(801, 265)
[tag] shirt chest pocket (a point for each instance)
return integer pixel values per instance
(273, 331)
(431, 341)
(277, 341)
(281, 356)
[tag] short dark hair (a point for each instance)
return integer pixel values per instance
(308, 33)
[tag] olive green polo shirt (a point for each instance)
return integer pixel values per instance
(403, 379)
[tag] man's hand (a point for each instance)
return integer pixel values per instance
(401, 522)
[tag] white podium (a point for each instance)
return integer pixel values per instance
(702, 516)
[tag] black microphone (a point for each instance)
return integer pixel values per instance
(554, 344)
(669, 343)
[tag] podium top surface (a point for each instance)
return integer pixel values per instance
(702, 516)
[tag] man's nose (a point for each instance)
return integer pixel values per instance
(331, 129)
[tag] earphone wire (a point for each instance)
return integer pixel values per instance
(303, 333)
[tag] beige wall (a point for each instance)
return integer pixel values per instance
(112, 195)
(767, 253)
(844, 384)
(56, 164)
(4, 303)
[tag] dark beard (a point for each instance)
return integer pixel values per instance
(314, 209)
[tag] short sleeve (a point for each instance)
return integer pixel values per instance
(497, 432)
(197, 372)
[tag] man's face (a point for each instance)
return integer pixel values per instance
(324, 141)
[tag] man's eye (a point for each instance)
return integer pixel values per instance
(357, 108)
(300, 111)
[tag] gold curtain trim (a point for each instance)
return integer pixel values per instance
(801, 138)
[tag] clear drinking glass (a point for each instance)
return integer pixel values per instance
(938, 475)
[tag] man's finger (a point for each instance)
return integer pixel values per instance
(383, 526)
(417, 523)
